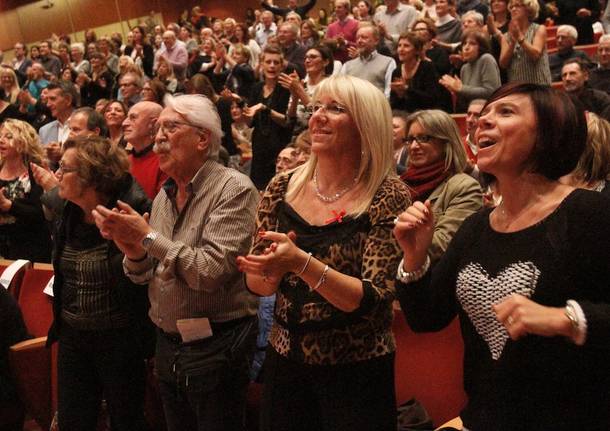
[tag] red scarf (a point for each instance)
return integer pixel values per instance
(422, 181)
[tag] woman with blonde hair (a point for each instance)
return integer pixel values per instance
(593, 169)
(435, 172)
(23, 229)
(165, 74)
(325, 248)
(523, 48)
(10, 85)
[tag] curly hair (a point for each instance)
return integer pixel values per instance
(100, 164)
(24, 140)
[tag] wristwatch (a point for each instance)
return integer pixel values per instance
(148, 239)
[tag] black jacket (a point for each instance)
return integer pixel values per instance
(133, 298)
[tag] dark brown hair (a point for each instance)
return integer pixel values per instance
(480, 39)
(557, 148)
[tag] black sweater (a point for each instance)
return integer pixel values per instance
(535, 383)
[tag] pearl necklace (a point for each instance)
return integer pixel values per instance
(336, 196)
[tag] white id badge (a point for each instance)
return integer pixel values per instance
(194, 329)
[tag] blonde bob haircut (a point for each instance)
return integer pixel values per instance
(372, 116)
(594, 164)
(532, 6)
(24, 140)
(440, 125)
(100, 164)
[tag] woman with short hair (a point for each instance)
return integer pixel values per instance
(415, 82)
(100, 316)
(523, 48)
(479, 75)
(528, 279)
(267, 115)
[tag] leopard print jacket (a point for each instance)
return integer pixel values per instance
(307, 328)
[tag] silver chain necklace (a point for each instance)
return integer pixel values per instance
(336, 196)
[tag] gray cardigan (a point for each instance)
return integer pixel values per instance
(479, 78)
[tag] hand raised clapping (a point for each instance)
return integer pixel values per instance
(414, 230)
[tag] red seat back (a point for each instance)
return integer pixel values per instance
(429, 367)
(36, 306)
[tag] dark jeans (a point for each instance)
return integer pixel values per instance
(349, 397)
(203, 384)
(92, 365)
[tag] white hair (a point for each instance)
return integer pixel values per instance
(79, 46)
(569, 29)
(199, 111)
(476, 16)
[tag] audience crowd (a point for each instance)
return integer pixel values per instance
(296, 156)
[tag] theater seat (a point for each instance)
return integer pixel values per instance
(460, 120)
(37, 307)
(30, 365)
(590, 50)
(12, 272)
(429, 368)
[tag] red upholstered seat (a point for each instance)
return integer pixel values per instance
(17, 279)
(35, 305)
(429, 367)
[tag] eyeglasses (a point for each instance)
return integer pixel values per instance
(332, 108)
(170, 127)
(420, 139)
(64, 169)
(312, 57)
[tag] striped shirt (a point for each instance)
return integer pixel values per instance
(191, 265)
(524, 68)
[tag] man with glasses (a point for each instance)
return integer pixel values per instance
(201, 220)
(130, 87)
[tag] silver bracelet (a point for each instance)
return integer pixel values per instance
(305, 266)
(410, 277)
(322, 279)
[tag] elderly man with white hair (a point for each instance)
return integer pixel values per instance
(201, 220)
(175, 52)
(599, 77)
(567, 36)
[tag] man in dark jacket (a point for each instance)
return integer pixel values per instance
(575, 75)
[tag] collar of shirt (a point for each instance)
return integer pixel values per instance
(398, 9)
(444, 19)
(370, 57)
(195, 184)
(63, 131)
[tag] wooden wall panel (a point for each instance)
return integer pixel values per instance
(38, 23)
(11, 30)
(92, 13)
